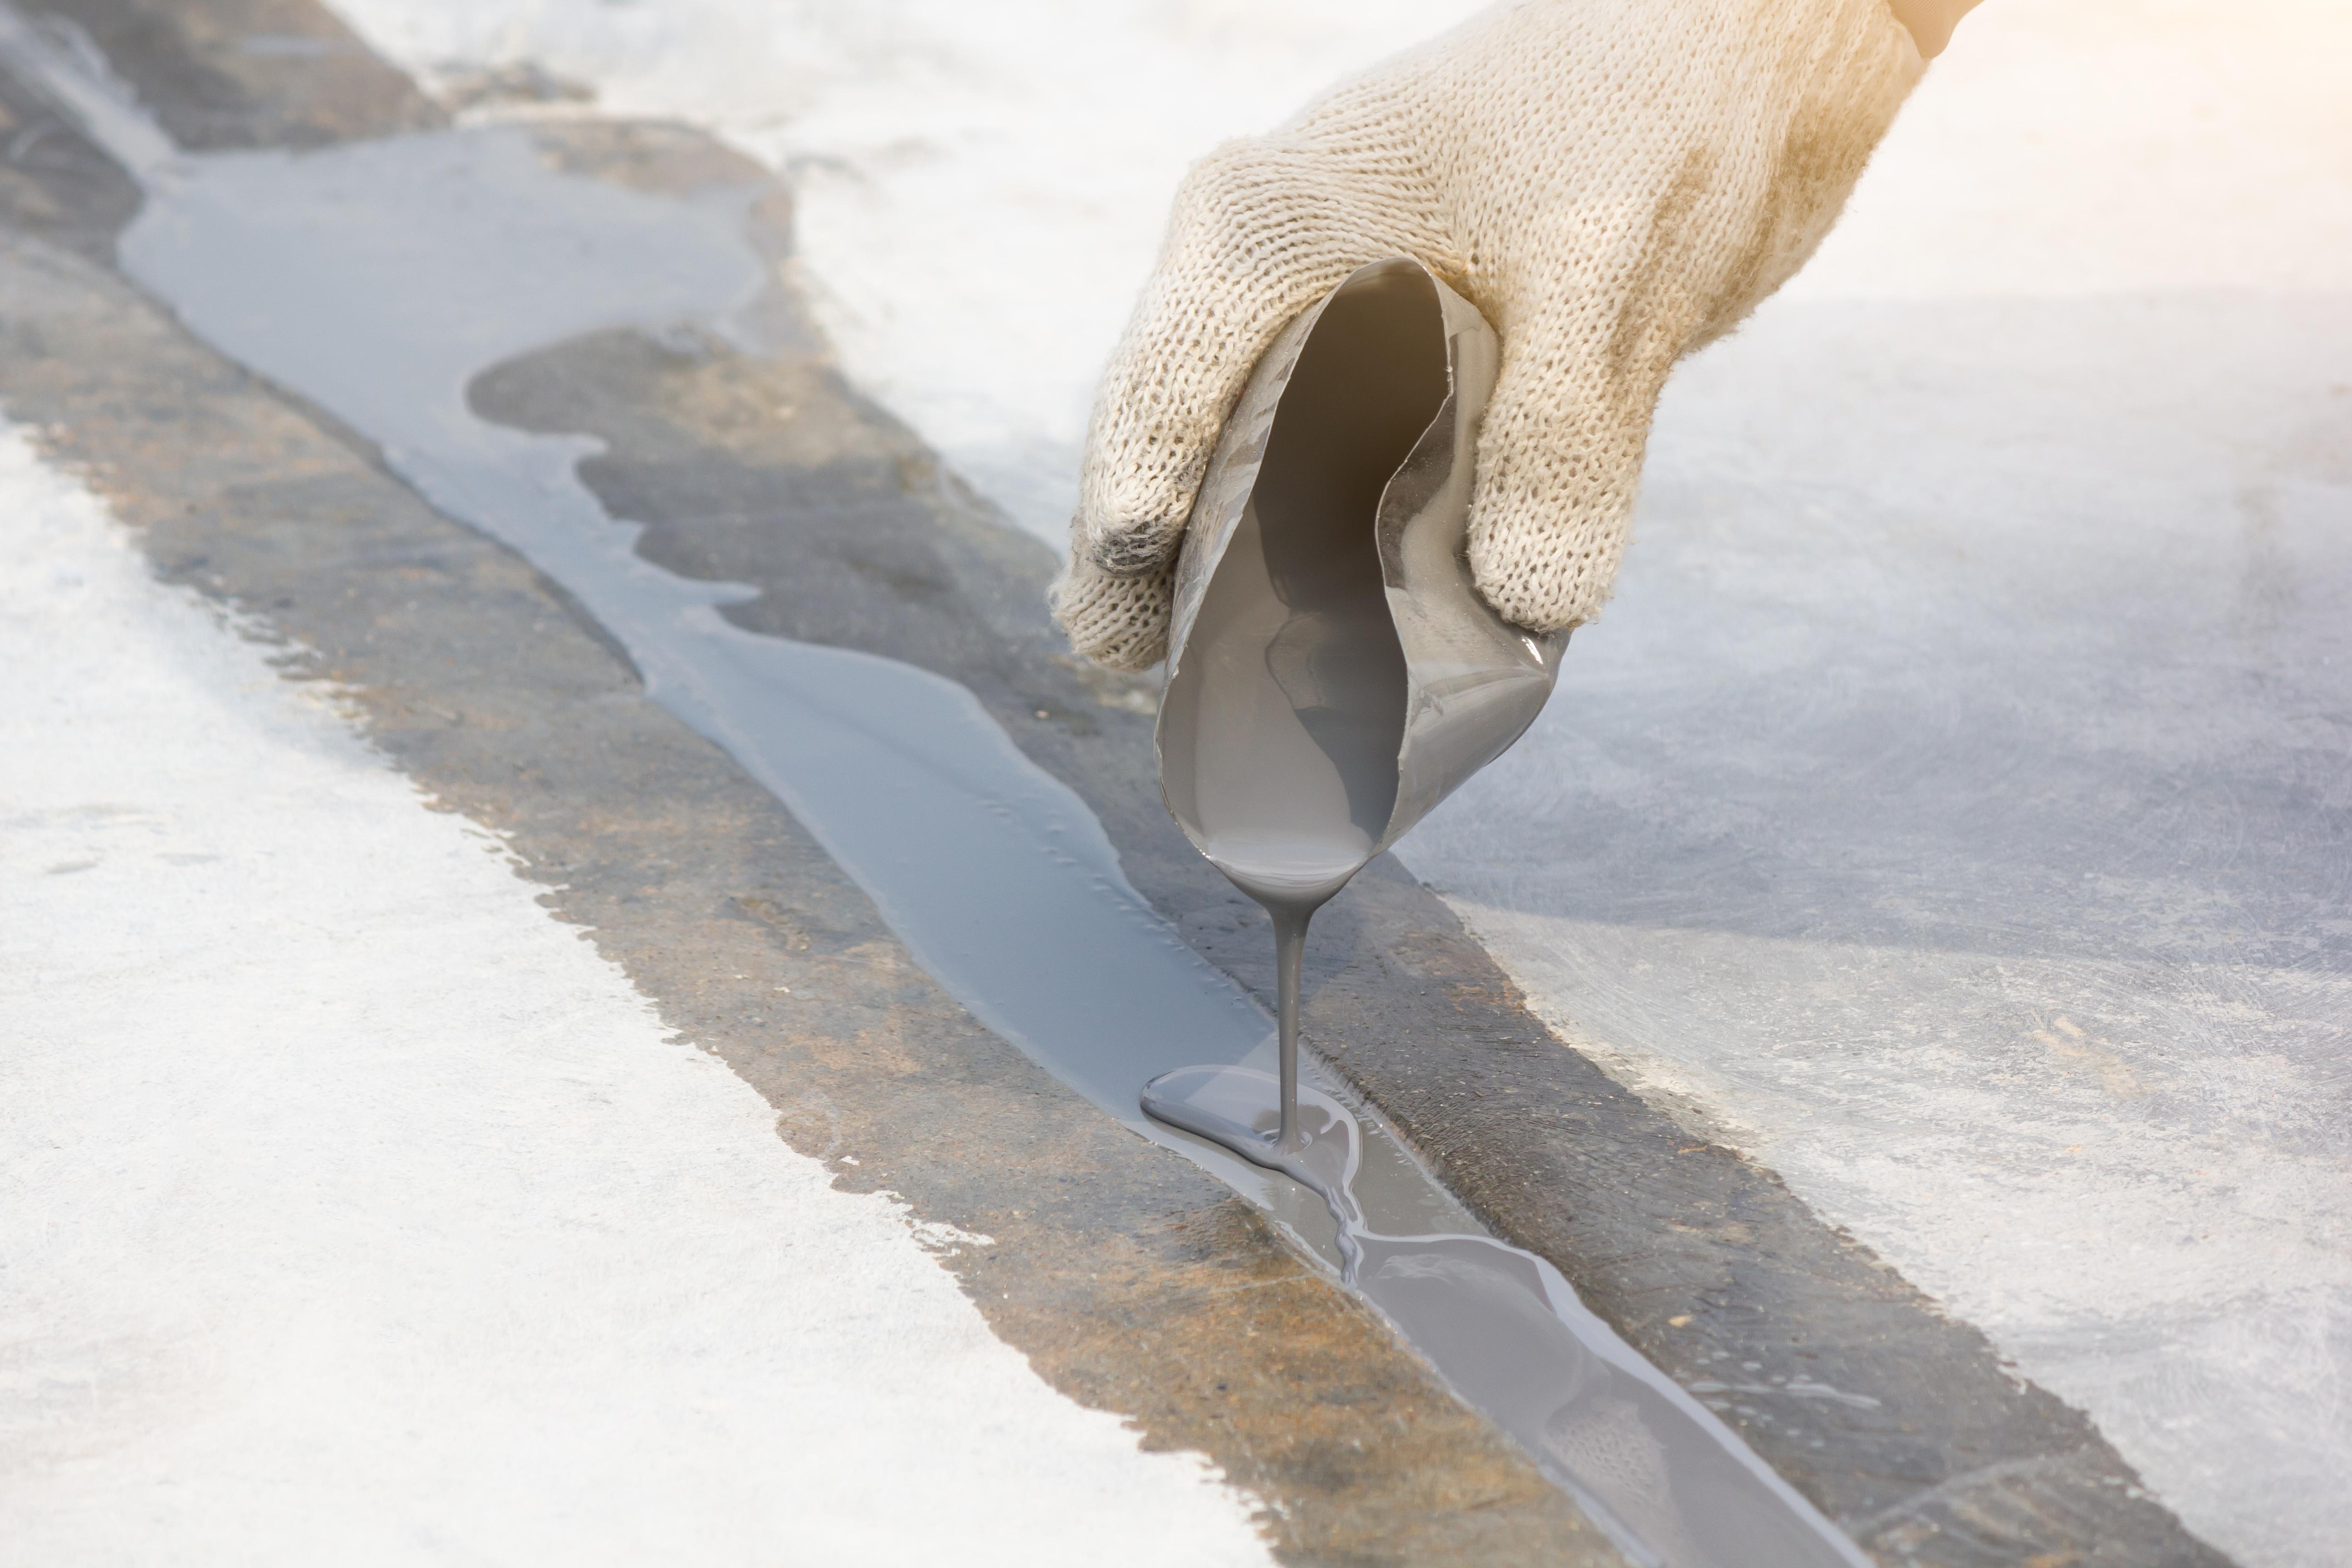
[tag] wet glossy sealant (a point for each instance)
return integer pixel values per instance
(1281, 728)
(379, 278)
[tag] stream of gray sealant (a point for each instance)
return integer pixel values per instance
(379, 279)
(1283, 725)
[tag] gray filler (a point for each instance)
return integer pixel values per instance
(379, 278)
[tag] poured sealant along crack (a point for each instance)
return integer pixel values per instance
(377, 279)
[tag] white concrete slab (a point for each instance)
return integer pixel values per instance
(353, 1210)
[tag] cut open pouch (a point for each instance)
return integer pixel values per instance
(1332, 671)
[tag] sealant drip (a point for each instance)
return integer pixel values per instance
(1290, 960)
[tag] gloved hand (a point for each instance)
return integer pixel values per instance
(1612, 183)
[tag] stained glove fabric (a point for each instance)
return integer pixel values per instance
(1612, 183)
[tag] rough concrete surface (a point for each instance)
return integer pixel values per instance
(1125, 1275)
(1964, 833)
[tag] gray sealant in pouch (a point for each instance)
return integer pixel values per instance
(1332, 671)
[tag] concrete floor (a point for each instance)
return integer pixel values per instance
(1953, 807)
(1949, 811)
(1964, 829)
(580, 1297)
(1982, 851)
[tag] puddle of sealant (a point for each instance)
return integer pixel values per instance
(379, 278)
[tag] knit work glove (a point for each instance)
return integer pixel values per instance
(1612, 183)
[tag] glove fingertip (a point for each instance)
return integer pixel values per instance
(1545, 571)
(1119, 622)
